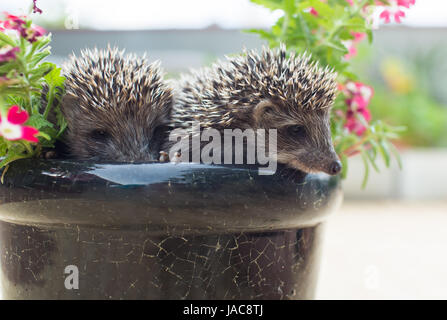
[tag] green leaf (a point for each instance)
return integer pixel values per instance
(270, 4)
(54, 78)
(10, 157)
(370, 35)
(42, 70)
(344, 163)
(383, 148)
(371, 154)
(337, 46)
(38, 121)
(366, 174)
(43, 134)
(38, 57)
(323, 9)
(6, 39)
(289, 6)
(396, 154)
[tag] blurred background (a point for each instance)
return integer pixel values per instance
(388, 240)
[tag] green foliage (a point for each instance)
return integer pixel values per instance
(424, 117)
(324, 35)
(25, 78)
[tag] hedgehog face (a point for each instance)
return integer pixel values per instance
(267, 90)
(116, 107)
(303, 138)
(119, 134)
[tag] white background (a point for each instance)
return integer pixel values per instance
(167, 14)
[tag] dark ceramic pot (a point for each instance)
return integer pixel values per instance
(160, 231)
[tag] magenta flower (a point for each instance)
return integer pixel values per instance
(394, 11)
(8, 53)
(19, 24)
(34, 32)
(35, 8)
(406, 3)
(313, 12)
(352, 50)
(358, 98)
(390, 12)
(13, 22)
(351, 44)
(11, 128)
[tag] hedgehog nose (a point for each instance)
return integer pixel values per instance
(335, 167)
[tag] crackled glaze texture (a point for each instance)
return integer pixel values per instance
(161, 231)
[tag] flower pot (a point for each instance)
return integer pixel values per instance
(76, 230)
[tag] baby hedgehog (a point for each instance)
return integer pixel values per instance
(266, 90)
(116, 106)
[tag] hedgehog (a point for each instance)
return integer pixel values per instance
(116, 106)
(265, 90)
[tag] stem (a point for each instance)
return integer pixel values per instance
(342, 25)
(305, 29)
(22, 62)
(285, 24)
(352, 150)
(49, 103)
(29, 148)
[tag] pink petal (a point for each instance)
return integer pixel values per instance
(15, 116)
(361, 102)
(366, 114)
(9, 55)
(386, 16)
(353, 125)
(399, 14)
(28, 133)
(406, 3)
(39, 31)
(352, 52)
(358, 36)
(313, 12)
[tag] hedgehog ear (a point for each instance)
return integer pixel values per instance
(263, 108)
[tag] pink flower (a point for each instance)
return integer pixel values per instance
(351, 2)
(394, 11)
(390, 12)
(358, 89)
(351, 44)
(34, 32)
(358, 97)
(30, 33)
(11, 128)
(8, 53)
(14, 23)
(406, 3)
(313, 12)
(354, 125)
(358, 36)
(352, 50)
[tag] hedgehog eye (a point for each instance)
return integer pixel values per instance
(99, 135)
(296, 131)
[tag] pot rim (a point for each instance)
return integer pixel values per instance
(184, 197)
